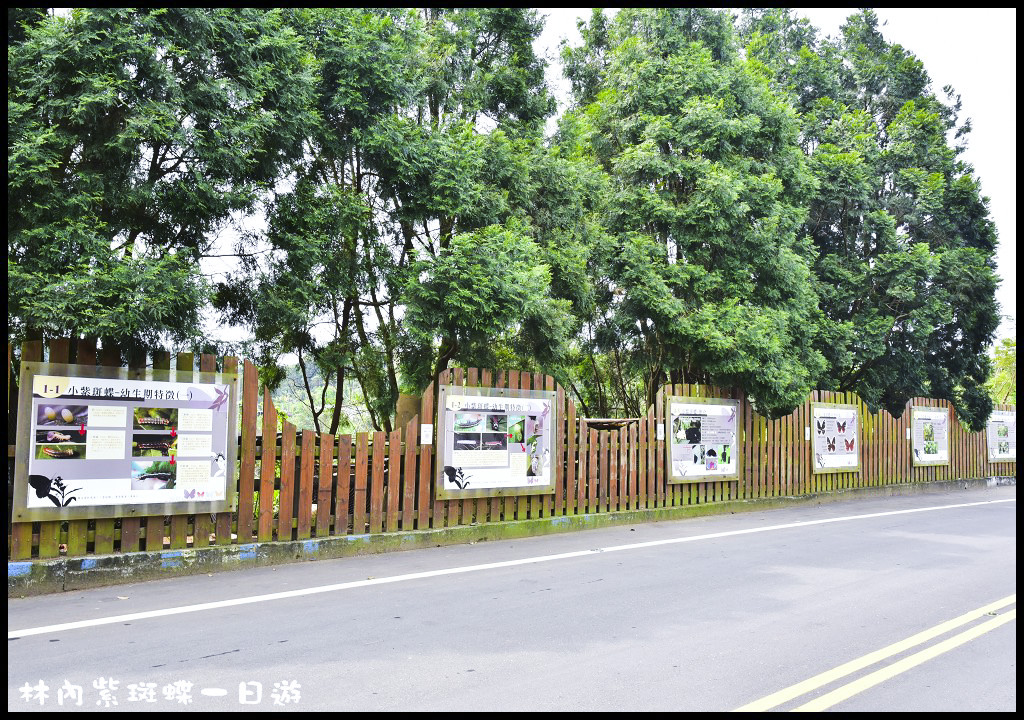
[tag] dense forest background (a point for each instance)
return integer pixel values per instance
(732, 200)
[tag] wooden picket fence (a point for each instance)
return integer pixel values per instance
(376, 482)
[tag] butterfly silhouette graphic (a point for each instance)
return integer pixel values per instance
(54, 489)
(821, 427)
(189, 494)
(849, 444)
(841, 426)
(831, 442)
(220, 399)
(456, 475)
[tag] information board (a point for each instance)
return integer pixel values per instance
(109, 442)
(929, 432)
(495, 441)
(702, 439)
(1002, 436)
(836, 437)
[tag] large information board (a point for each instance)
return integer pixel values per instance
(111, 442)
(836, 437)
(929, 432)
(495, 441)
(1002, 436)
(702, 439)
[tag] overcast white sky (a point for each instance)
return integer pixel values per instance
(974, 50)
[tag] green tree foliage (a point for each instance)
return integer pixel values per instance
(133, 135)
(761, 209)
(489, 287)
(905, 261)
(707, 277)
(1002, 386)
(426, 124)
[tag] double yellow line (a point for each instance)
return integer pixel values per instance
(850, 689)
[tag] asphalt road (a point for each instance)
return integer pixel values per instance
(712, 614)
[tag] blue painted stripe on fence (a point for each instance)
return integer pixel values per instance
(17, 569)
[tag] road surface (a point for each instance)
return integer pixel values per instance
(897, 604)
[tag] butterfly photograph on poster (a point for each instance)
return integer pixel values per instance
(835, 437)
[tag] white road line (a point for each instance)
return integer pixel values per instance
(199, 607)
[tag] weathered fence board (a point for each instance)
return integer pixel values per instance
(247, 461)
(325, 483)
(286, 504)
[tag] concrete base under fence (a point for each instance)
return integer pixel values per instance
(39, 577)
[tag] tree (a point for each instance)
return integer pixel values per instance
(133, 137)
(490, 287)
(707, 278)
(426, 122)
(905, 247)
(1002, 386)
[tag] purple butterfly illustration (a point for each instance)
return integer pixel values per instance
(222, 397)
(189, 494)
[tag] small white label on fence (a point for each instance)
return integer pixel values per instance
(908, 433)
(807, 432)
(661, 432)
(427, 434)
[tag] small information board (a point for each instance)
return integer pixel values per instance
(930, 435)
(836, 434)
(495, 441)
(99, 442)
(1001, 434)
(702, 435)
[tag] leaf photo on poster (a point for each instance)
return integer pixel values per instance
(157, 475)
(62, 415)
(151, 418)
(154, 445)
